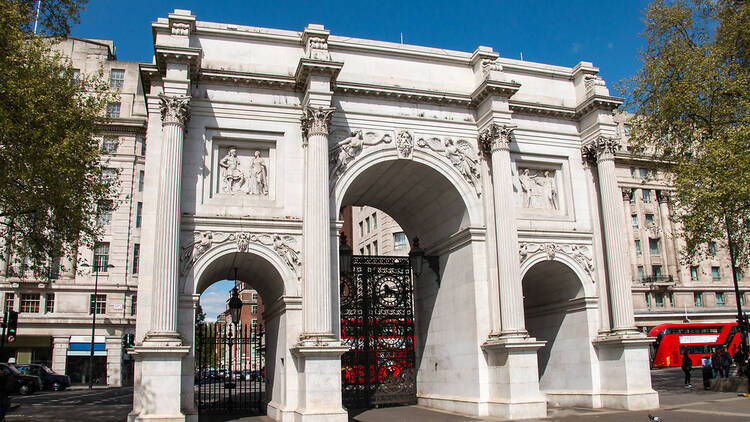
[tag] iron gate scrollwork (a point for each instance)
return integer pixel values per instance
(377, 323)
(229, 368)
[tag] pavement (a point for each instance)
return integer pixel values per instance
(677, 404)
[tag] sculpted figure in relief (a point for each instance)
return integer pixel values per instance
(258, 176)
(233, 178)
(287, 253)
(463, 158)
(349, 148)
(538, 189)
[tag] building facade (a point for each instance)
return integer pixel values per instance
(55, 314)
(505, 169)
(377, 233)
(666, 288)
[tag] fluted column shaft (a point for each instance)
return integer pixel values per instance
(602, 151)
(496, 141)
(175, 113)
(316, 226)
(666, 224)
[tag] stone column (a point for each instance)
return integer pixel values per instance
(175, 112)
(113, 346)
(666, 224)
(316, 225)
(60, 353)
(602, 153)
(495, 141)
(627, 193)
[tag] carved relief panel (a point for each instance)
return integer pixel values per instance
(242, 171)
(540, 188)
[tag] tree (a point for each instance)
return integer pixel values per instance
(51, 172)
(691, 104)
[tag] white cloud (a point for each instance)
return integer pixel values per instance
(214, 299)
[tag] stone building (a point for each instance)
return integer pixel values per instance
(666, 289)
(376, 233)
(505, 170)
(55, 314)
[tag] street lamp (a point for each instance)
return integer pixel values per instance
(96, 267)
(345, 255)
(235, 308)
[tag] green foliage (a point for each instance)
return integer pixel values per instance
(691, 101)
(51, 173)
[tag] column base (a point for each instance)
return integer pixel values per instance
(162, 339)
(319, 366)
(158, 393)
(514, 377)
(625, 371)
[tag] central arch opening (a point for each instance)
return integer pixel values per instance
(426, 203)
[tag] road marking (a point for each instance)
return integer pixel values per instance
(712, 412)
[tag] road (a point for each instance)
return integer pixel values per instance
(678, 404)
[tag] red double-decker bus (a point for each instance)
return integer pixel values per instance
(695, 339)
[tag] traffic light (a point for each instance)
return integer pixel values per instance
(129, 340)
(12, 326)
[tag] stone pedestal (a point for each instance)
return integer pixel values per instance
(513, 376)
(60, 353)
(624, 372)
(114, 361)
(319, 369)
(158, 395)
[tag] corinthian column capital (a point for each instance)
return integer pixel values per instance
(316, 121)
(175, 109)
(495, 137)
(603, 148)
(627, 193)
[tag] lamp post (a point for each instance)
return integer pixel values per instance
(417, 259)
(96, 267)
(345, 255)
(235, 308)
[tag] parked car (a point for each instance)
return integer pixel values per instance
(23, 384)
(50, 379)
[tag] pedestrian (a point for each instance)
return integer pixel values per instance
(726, 363)
(687, 366)
(739, 359)
(716, 362)
(707, 372)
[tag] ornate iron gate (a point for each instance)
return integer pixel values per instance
(229, 368)
(377, 322)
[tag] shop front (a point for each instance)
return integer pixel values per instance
(79, 359)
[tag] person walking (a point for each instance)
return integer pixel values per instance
(716, 362)
(726, 363)
(687, 366)
(706, 372)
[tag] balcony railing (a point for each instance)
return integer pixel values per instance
(657, 279)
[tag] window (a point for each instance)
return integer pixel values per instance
(648, 300)
(368, 249)
(632, 172)
(138, 214)
(104, 213)
(10, 298)
(741, 298)
(698, 299)
(367, 223)
(116, 78)
(715, 274)
(399, 240)
(142, 143)
(255, 296)
(649, 219)
(361, 251)
(617, 130)
(627, 129)
(656, 270)
(635, 221)
(254, 323)
(109, 144)
(375, 247)
(76, 76)
(254, 309)
(49, 303)
(653, 246)
(374, 221)
(133, 304)
(109, 175)
(646, 196)
(136, 256)
(719, 298)
(637, 247)
(101, 257)
(113, 110)
(632, 197)
(694, 273)
(361, 229)
(30, 303)
(659, 299)
(98, 303)
(141, 175)
(712, 248)
(670, 296)
(643, 173)
(641, 273)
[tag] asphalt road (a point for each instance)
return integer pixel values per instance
(678, 404)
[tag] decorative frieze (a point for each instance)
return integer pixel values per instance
(347, 149)
(580, 253)
(175, 109)
(283, 245)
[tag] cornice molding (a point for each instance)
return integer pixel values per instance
(188, 54)
(306, 67)
(245, 78)
(548, 110)
(490, 87)
(401, 94)
(604, 102)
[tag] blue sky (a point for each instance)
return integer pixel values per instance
(214, 299)
(561, 32)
